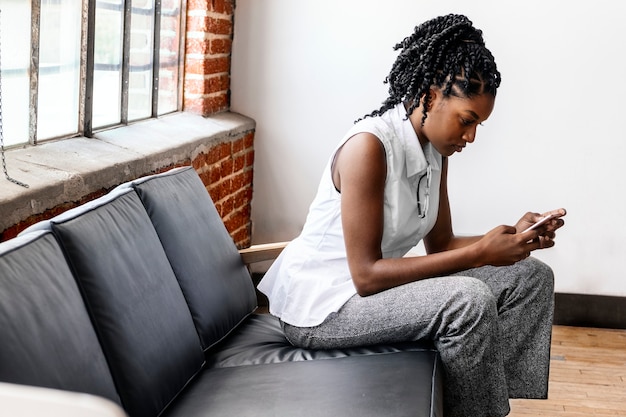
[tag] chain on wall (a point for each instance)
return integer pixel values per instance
(4, 162)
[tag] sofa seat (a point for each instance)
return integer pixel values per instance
(397, 384)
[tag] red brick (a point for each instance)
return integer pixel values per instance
(225, 188)
(197, 46)
(207, 86)
(220, 46)
(205, 177)
(250, 158)
(241, 199)
(242, 238)
(207, 66)
(235, 221)
(227, 168)
(239, 163)
(229, 206)
(221, 6)
(200, 161)
(215, 104)
(224, 149)
(217, 6)
(206, 106)
(237, 146)
(248, 192)
(218, 26)
(214, 192)
(9, 233)
(214, 174)
(198, 23)
(239, 181)
(217, 83)
(249, 140)
(214, 154)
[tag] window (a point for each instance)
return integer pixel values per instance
(71, 67)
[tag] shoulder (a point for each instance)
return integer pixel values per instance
(361, 160)
(363, 147)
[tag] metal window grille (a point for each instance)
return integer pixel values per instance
(88, 65)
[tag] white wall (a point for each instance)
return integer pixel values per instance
(306, 69)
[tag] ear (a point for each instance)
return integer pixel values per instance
(435, 96)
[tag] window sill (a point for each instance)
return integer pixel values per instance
(66, 171)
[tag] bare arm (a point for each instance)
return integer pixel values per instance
(359, 172)
(441, 238)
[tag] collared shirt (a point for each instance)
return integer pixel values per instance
(311, 278)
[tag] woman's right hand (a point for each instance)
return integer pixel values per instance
(504, 246)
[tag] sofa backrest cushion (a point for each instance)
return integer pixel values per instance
(135, 302)
(206, 262)
(46, 336)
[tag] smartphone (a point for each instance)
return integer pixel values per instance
(542, 221)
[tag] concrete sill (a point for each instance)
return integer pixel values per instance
(66, 171)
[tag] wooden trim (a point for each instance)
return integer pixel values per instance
(262, 252)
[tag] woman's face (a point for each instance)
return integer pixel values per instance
(452, 121)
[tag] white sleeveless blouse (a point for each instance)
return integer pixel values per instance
(311, 279)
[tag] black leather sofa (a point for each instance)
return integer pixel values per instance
(142, 298)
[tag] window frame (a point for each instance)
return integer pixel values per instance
(87, 67)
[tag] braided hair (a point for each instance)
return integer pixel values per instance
(446, 52)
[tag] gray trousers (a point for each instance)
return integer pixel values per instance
(492, 327)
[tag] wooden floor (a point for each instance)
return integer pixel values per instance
(587, 375)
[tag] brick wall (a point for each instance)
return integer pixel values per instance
(207, 58)
(227, 169)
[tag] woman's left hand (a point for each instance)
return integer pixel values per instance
(547, 231)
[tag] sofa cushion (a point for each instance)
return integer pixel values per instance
(204, 258)
(390, 385)
(136, 304)
(260, 340)
(46, 337)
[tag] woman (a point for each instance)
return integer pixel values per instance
(344, 281)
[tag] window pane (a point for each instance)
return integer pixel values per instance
(169, 56)
(108, 63)
(59, 68)
(141, 46)
(15, 49)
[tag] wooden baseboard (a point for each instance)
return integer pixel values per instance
(587, 310)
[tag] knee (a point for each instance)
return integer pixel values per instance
(473, 300)
(538, 274)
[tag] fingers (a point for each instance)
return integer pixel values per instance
(557, 222)
(559, 212)
(531, 235)
(541, 242)
(545, 242)
(507, 229)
